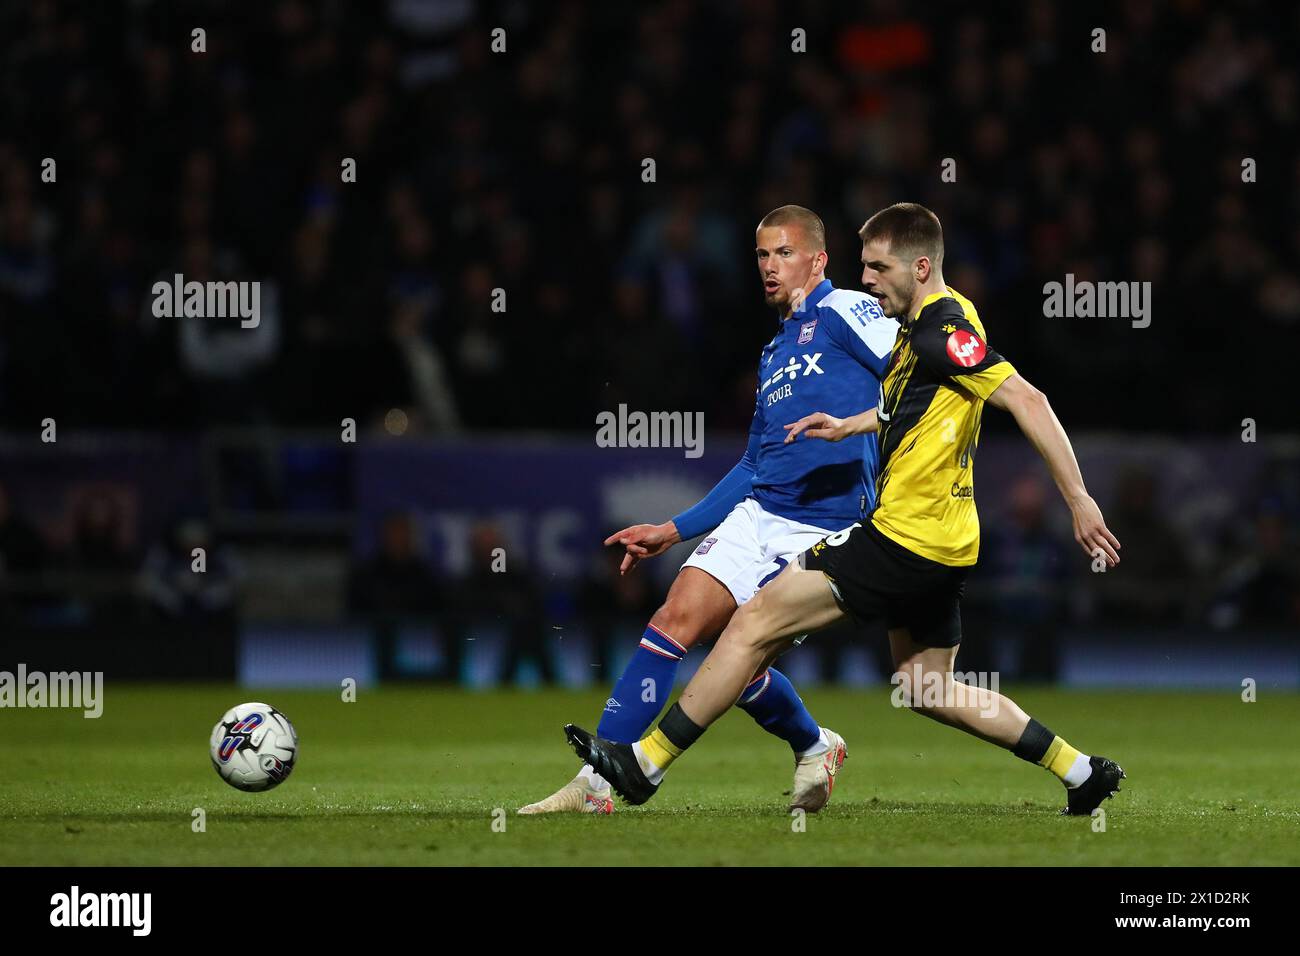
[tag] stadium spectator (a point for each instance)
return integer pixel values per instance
(1150, 586)
(1260, 586)
(396, 587)
(98, 561)
(1024, 563)
(99, 536)
(23, 555)
(499, 590)
(396, 582)
(417, 376)
(175, 588)
(608, 602)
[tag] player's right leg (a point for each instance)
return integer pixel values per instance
(728, 567)
(815, 767)
(796, 602)
(697, 609)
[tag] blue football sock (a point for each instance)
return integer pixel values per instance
(641, 692)
(771, 700)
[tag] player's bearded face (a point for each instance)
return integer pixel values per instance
(888, 278)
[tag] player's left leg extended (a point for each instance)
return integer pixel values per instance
(739, 558)
(697, 608)
(924, 677)
(796, 602)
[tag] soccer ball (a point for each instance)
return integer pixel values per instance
(253, 747)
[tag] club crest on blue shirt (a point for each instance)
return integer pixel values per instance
(806, 332)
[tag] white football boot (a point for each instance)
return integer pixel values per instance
(814, 777)
(576, 796)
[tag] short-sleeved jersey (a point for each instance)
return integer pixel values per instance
(940, 373)
(828, 356)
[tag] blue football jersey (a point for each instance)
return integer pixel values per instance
(829, 356)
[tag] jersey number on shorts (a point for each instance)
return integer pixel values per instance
(839, 537)
(780, 566)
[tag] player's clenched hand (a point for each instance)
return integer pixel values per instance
(817, 425)
(1091, 532)
(643, 541)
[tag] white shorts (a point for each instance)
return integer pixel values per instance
(750, 547)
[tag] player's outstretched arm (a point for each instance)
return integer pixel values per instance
(821, 425)
(1036, 419)
(643, 541)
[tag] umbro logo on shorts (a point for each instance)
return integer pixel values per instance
(705, 545)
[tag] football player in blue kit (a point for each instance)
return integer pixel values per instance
(829, 354)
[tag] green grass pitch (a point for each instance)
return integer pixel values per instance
(411, 776)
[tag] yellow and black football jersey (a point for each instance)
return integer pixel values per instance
(941, 370)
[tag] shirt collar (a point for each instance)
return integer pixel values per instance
(819, 292)
(810, 302)
(932, 297)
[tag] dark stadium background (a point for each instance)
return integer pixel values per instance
(521, 171)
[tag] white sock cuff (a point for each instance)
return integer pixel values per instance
(822, 745)
(1079, 771)
(594, 780)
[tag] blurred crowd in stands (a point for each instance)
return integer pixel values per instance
(91, 572)
(522, 171)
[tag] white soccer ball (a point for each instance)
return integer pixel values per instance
(254, 747)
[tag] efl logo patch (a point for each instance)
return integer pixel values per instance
(228, 747)
(966, 349)
(806, 332)
(705, 545)
(248, 724)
